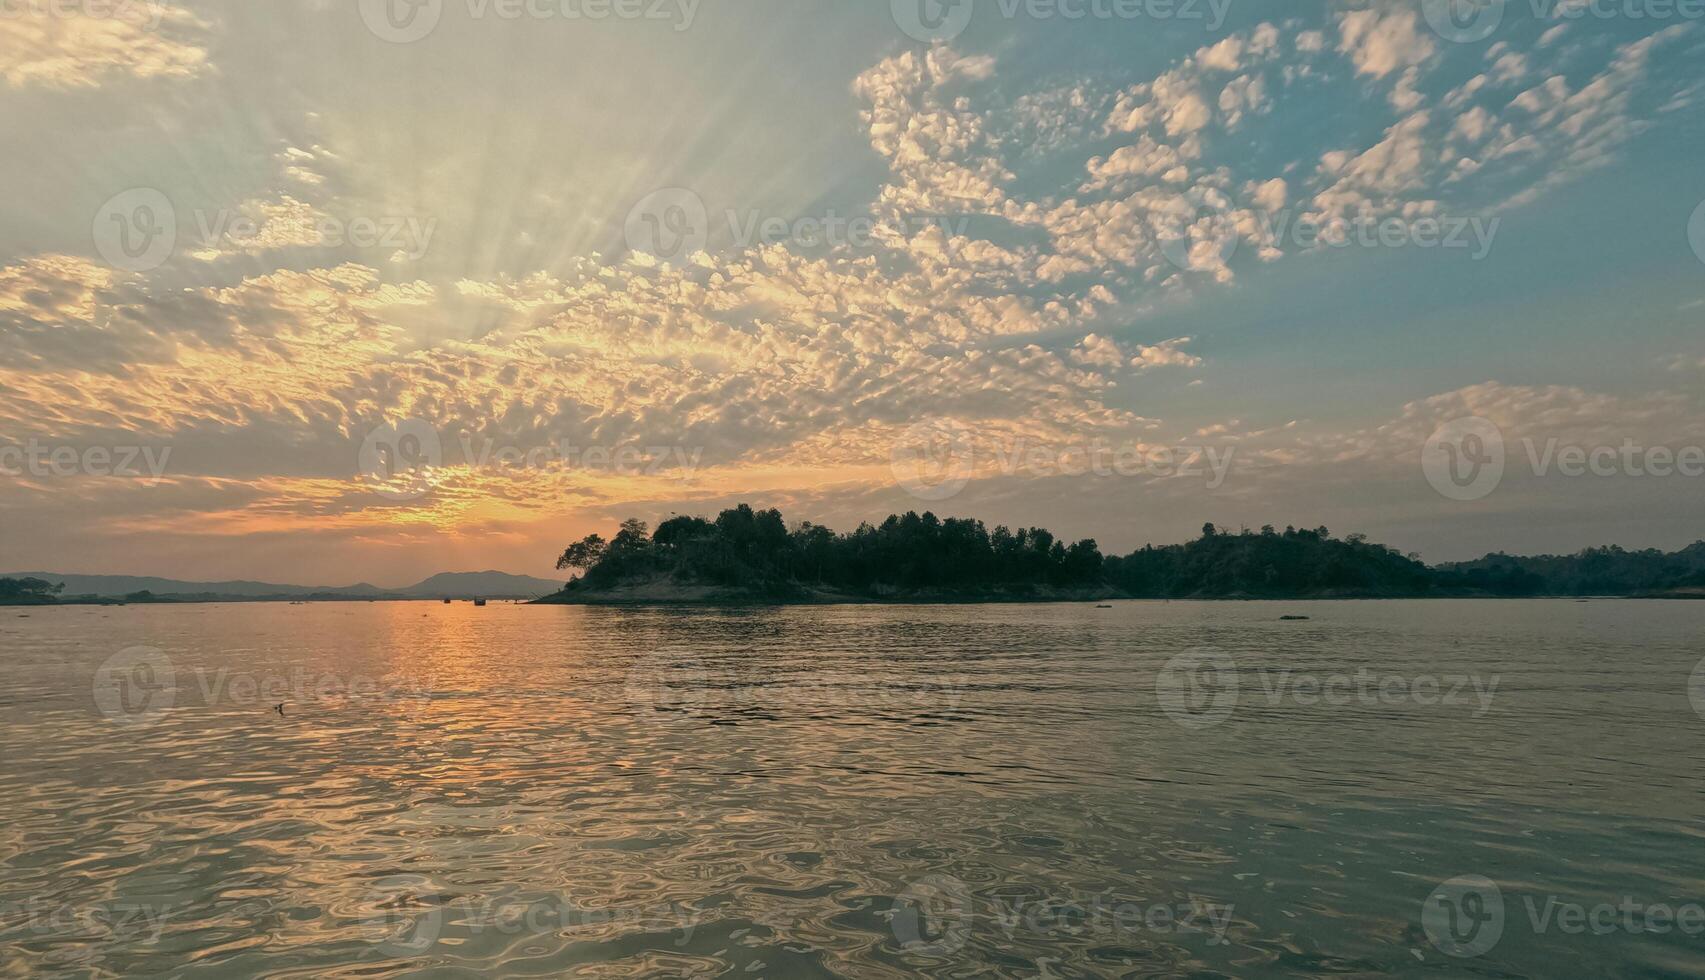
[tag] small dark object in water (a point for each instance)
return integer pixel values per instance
(1292, 619)
(280, 709)
(446, 602)
(479, 602)
(1104, 607)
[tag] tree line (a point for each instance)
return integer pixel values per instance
(28, 590)
(921, 553)
(757, 551)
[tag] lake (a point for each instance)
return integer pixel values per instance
(1421, 788)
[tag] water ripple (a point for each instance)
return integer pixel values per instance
(840, 792)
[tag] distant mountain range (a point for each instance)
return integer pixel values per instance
(448, 585)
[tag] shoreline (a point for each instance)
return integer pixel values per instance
(203, 600)
(734, 601)
(754, 601)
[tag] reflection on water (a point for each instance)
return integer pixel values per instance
(1158, 789)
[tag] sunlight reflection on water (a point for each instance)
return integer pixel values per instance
(845, 791)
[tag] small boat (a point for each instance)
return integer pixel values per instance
(479, 602)
(1104, 607)
(1293, 619)
(446, 602)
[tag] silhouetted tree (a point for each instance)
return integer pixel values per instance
(583, 554)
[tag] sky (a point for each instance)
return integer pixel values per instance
(325, 292)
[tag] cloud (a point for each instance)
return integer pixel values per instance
(66, 49)
(282, 223)
(1383, 40)
(1241, 95)
(1270, 195)
(1098, 351)
(1167, 353)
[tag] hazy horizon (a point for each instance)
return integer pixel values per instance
(392, 586)
(550, 572)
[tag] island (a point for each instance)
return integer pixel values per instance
(752, 556)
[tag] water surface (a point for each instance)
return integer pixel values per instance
(1152, 790)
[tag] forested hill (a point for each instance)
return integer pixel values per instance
(755, 554)
(1269, 562)
(748, 553)
(1595, 571)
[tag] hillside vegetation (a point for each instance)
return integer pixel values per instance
(746, 553)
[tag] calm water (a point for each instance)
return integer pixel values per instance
(1183, 789)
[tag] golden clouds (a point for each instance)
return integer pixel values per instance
(64, 46)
